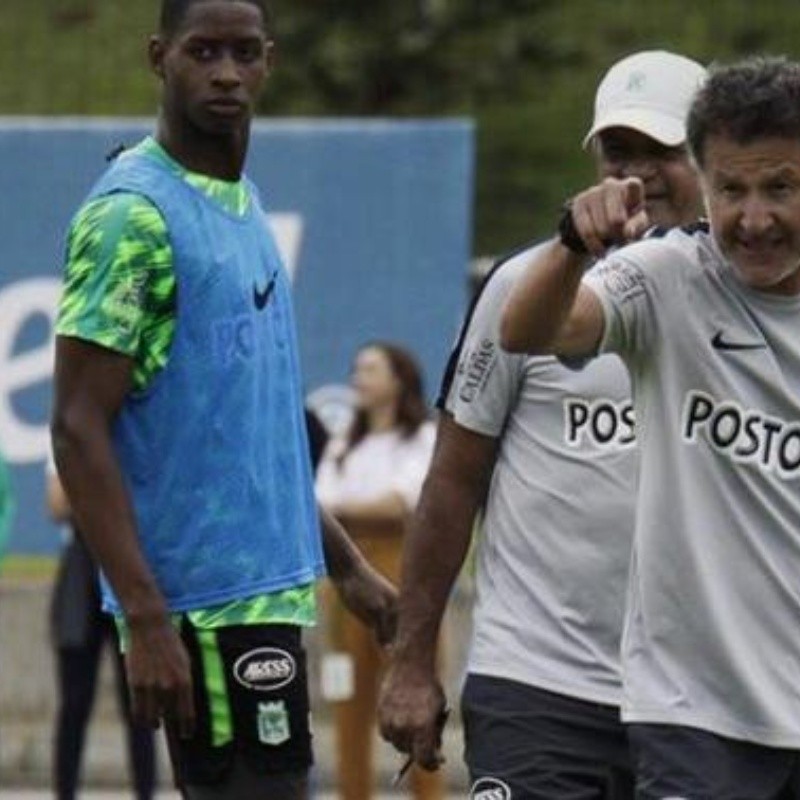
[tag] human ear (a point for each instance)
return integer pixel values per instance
(155, 54)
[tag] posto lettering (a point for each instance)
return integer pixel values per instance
(747, 436)
(602, 423)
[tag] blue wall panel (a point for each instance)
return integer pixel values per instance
(373, 217)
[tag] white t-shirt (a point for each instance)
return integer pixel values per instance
(555, 546)
(379, 464)
(712, 637)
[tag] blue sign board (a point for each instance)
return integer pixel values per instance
(373, 219)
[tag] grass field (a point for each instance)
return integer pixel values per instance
(28, 568)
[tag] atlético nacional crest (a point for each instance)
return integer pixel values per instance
(273, 723)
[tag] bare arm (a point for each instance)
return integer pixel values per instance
(363, 590)
(90, 387)
(435, 548)
(549, 311)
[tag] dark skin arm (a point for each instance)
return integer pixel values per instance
(91, 384)
(412, 699)
(363, 590)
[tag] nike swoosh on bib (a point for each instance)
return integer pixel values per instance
(260, 299)
(720, 343)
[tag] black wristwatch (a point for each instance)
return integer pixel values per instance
(568, 233)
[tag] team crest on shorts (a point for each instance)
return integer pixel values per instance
(490, 789)
(273, 723)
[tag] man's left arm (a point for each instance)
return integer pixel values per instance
(363, 590)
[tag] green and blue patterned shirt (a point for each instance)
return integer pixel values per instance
(120, 293)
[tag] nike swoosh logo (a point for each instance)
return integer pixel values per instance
(719, 343)
(260, 299)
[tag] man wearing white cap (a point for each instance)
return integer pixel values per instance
(549, 452)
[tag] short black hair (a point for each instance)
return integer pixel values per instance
(174, 11)
(756, 98)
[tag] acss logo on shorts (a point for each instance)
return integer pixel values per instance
(265, 669)
(490, 789)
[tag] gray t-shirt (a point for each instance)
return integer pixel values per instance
(555, 546)
(712, 635)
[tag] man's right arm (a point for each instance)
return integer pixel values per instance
(91, 383)
(435, 547)
(117, 279)
(549, 311)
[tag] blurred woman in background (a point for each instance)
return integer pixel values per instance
(370, 478)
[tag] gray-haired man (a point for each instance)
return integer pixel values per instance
(706, 321)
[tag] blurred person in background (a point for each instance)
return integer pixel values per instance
(79, 631)
(370, 479)
(548, 450)
(178, 426)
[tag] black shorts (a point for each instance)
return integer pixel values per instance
(683, 763)
(524, 742)
(251, 701)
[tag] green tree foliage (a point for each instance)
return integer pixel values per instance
(414, 58)
(525, 70)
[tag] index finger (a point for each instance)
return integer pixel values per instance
(634, 194)
(427, 750)
(615, 209)
(185, 711)
(145, 706)
(428, 742)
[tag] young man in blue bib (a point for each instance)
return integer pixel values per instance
(179, 430)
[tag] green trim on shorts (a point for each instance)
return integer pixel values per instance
(294, 606)
(219, 707)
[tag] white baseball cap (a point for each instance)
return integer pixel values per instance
(650, 92)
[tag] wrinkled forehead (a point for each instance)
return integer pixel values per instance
(760, 158)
